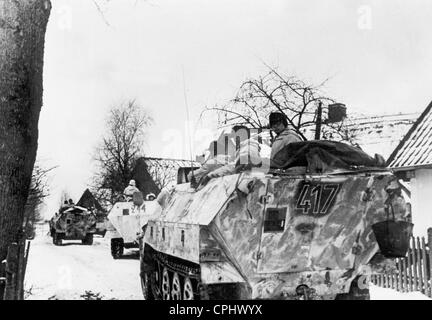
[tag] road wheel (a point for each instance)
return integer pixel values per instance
(88, 240)
(146, 287)
(355, 292)
(57, 240)
(166, 288)
(117, 248)
(188, 290)
(176, 288)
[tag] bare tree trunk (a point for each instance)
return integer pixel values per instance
(22, 34)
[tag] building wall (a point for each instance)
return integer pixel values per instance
(421, 197)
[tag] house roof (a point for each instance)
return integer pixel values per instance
(415, 149)
(381, 133)
(88, 200)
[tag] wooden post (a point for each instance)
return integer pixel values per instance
(405, 278)
(2, 277)
(414, 264)
(419, 265)
(400, 288)
(410, 268)
(26, 257)
(12, 261)
(424, 267)
(318, 122)
(21, 267)
(429, 232)
(390, 282)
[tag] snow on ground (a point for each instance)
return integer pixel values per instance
(378, 293)
(73, 270)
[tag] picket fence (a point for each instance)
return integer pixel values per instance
(413, 272)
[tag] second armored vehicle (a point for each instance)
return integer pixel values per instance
(73, 223)
(127, 220)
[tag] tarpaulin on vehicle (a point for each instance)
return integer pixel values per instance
(322, 156)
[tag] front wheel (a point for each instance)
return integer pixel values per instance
(358, 290)
(146, 287)
(88, 240)
(117, 248)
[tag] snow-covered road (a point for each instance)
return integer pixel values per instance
(71, 270)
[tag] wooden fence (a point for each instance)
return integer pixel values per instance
(12, 271)
(413, 272)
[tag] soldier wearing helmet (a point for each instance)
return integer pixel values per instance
(284, 135)
(150, 197)
(130, 190)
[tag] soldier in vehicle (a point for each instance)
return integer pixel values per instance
(130, 190)
(284, 134)
(216, 159)
(231, 142)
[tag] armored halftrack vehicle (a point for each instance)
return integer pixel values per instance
(303, 230)
(127, 220)
(73, 223)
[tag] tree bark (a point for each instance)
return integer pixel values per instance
(22, 35)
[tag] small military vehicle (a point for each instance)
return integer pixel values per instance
(73, 223)
(127, 220)
(301, 230)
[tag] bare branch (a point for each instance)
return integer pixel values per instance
(101, 13)
(273, 91)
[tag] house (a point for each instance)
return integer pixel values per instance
(381, 133)
(88, 200)
(412, 163)
(374, 133)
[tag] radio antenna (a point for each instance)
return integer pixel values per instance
(193, 181)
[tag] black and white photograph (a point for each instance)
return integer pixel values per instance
(228, 151)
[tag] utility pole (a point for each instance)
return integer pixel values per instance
(318, 122)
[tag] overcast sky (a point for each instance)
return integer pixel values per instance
(377, 53)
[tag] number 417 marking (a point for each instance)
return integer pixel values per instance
(317, 199)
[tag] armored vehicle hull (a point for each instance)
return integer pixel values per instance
(127, 221)
(269, 236)
(73, 223)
